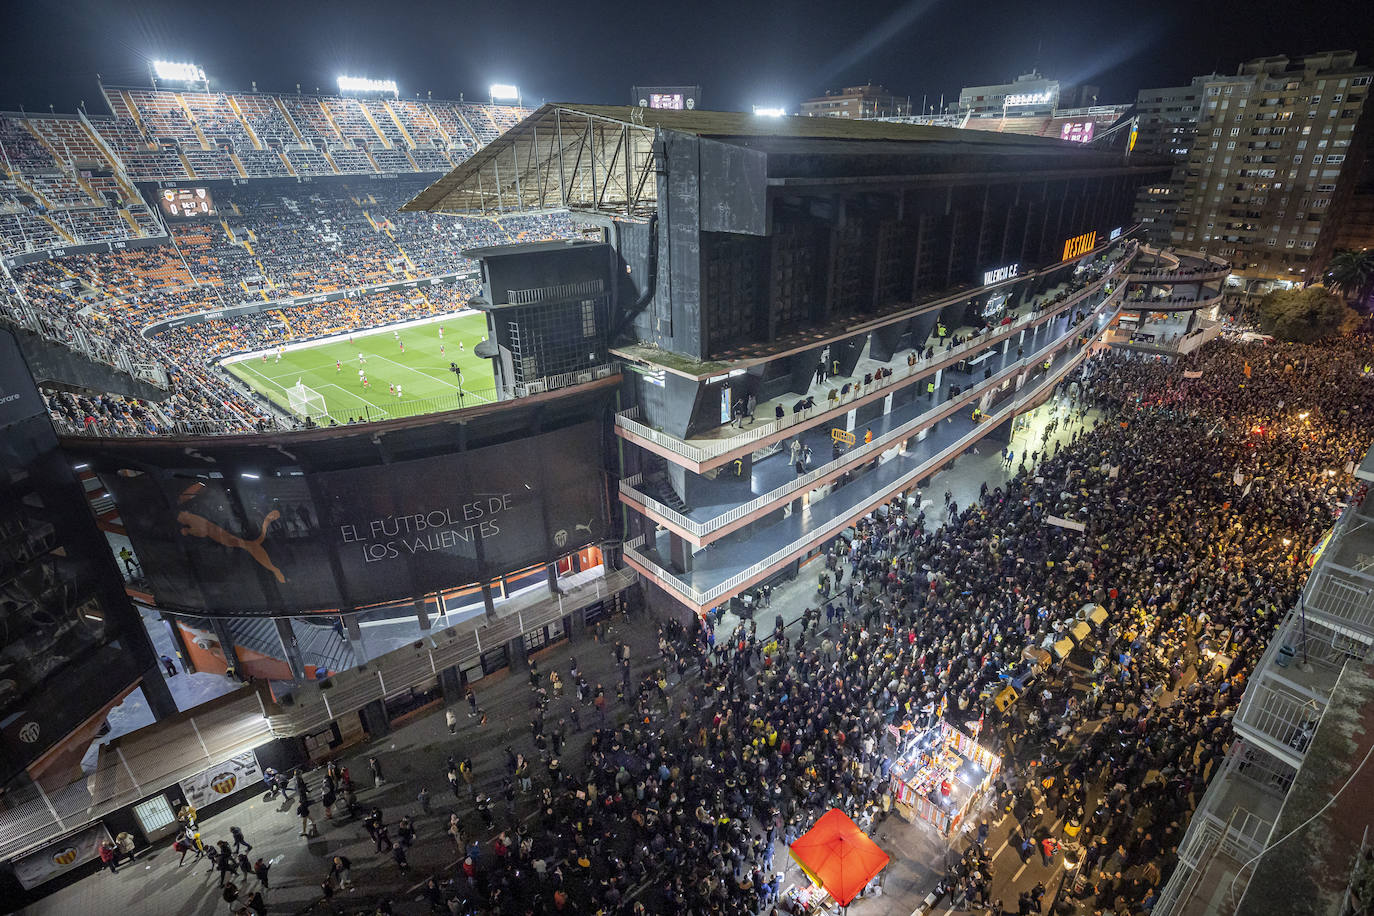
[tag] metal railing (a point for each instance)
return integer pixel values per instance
(70, 332)
(161, 755)
(137, 766)
(312, 706)
(1215, 267)
(1279, 719)
(628, 419)
(854, 455)
(564, 379)
(537, 294)
(727, 587)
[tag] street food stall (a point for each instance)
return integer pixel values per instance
(840, 860)
(940, 773)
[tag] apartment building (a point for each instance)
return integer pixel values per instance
(1276, 152)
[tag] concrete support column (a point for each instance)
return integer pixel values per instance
(451, 683)
(179, 643)
(158, 695)
(487, 602)
(290, 650)
(421, 614)
(680, 553)
(515, 654)
(375, 720)
(220, 626)
(551, 578)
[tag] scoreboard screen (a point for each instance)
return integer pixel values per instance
(673, 100)
(1077, 131)
(181, 203)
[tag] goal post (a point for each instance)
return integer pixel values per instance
(306, 402)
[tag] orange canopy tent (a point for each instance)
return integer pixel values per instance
(838, 856)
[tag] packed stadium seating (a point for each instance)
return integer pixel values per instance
(271, 240)
(70, 180)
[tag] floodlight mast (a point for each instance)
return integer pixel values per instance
(177, 72)
(766, 111)
(363, 84)
(504, 92)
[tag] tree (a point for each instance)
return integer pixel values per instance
(1304, 315)
(1351, 273)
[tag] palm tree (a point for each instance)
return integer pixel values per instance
(1352, 273)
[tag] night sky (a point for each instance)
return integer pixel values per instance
(740, 52)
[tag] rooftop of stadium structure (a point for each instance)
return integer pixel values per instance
(600, 158)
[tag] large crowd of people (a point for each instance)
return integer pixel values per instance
(283, 241)
(1200, 498)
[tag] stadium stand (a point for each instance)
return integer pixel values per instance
(264, 118)
(274, 239)
(70, 180)
(21, 150)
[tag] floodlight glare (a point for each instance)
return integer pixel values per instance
(362, 84)
(178, 72)
(766, 112)
(504, 92)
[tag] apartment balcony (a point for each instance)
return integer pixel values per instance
(1292, 685)
(1231, 825)
(1340, 590)
(721, 445)
(726, 502)
(812, 517)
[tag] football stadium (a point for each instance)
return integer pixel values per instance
(416, 505)
(373, 376)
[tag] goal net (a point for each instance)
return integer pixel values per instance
(306, 402)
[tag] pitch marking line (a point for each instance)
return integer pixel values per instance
(357, 398)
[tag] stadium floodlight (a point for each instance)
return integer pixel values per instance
(765, 111)
(504, 92)
(178, 72)
(363, 84)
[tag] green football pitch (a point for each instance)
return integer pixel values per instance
(420, 371)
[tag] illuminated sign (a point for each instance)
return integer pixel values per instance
(362, 84)
(1001, 273)
(1116, 234)
(181, 203)
(1027, 98)
(1077, 131)
(674, 101)
(1079, 244)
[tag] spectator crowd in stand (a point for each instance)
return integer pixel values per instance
(283, 242)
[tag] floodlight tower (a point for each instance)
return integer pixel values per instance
(177, 72)
(504, 92)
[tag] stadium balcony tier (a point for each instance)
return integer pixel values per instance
(851, 308)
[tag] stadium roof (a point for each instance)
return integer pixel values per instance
(599, 158)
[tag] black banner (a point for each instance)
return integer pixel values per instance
(271, 544)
